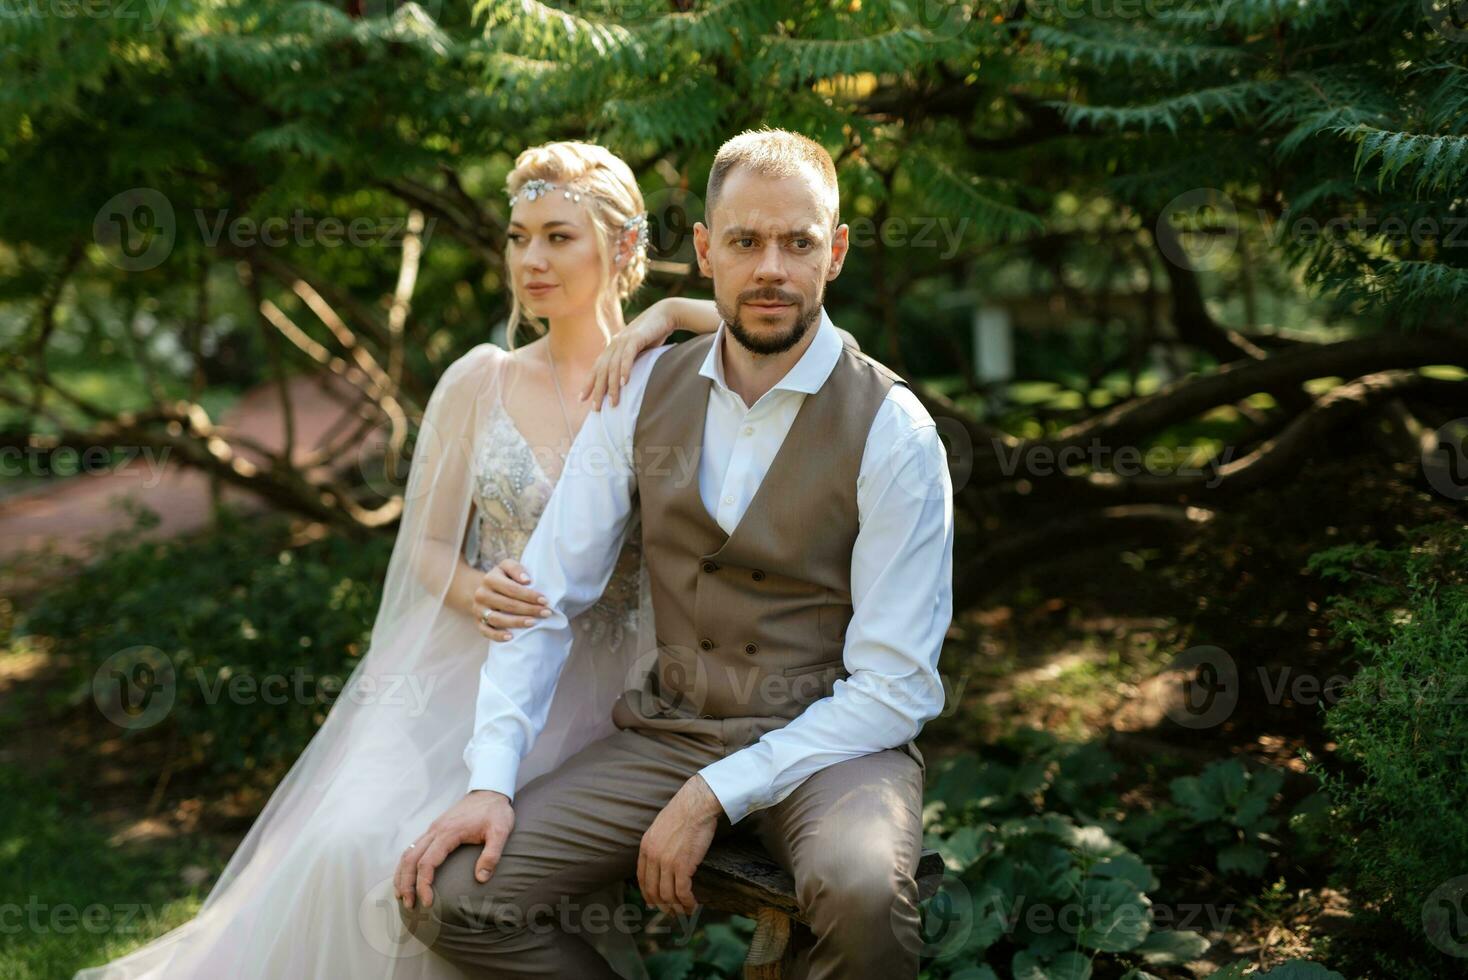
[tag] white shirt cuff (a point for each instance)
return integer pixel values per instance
(494, 767)
(732, 782)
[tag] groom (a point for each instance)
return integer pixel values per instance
(798, 533)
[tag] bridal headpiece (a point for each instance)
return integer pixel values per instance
(638, 221)
(536, 187)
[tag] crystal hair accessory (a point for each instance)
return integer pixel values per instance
(535, 187)
(531, 189)
(638, 221)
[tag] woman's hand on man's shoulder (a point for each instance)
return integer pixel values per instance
(613, 366)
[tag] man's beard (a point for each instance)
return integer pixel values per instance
(757, 344)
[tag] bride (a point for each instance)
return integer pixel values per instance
(308, 893)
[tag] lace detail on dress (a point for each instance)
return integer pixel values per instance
(511, 490)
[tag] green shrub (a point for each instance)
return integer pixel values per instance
(718, 951)
(1398, 787)
(240, 616)
(1225, 811)
(1046, 874)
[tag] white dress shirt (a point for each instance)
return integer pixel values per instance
(901, 577)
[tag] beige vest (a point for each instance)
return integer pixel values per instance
(750, 625)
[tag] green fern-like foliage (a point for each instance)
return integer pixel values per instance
(1346, 115)
(1433, 162)
(1021, 123)
(1233, 101)
(962, 195)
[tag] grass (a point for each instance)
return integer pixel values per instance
(76, 897)
(82, 887)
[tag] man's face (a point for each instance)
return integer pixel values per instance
(770, 251)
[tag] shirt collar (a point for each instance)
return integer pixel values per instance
(808, 373)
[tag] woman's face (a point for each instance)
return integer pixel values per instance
(552, 256)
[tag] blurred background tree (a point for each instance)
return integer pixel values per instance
(1221, 235)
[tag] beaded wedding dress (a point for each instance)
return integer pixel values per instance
(308, 895)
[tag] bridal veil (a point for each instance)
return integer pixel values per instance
(308, 891)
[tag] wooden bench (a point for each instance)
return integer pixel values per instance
(740, 877)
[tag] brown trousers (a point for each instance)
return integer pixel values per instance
(850, 835)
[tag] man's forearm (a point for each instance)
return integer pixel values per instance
(516, 684)
(572, 552)
(519, 676)
(868, 713)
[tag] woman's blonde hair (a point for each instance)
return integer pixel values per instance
(609, 190)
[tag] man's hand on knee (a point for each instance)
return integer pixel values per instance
(675, 844)
(483, 817)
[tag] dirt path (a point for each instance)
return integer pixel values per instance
(67, 515)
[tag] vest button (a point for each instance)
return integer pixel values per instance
(751, 649)
(757, 575)
(706, 644)
(709, 566)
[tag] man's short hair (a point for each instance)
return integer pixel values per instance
(775, 153)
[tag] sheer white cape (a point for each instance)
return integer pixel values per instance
(308, 892)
